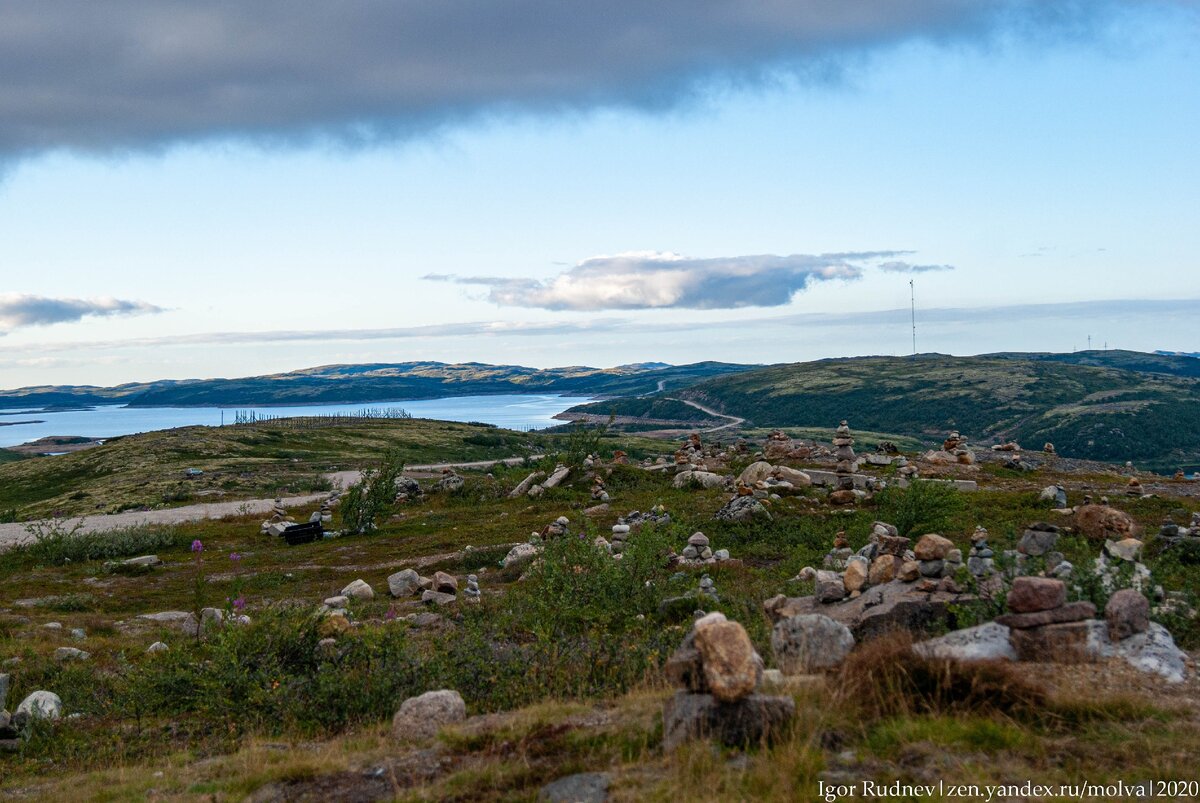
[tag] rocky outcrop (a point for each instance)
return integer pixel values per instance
(423, 716)
(810, 643)
(878, 610)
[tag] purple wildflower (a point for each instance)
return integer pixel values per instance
(197, 546)
(239, 603)
(235, 557)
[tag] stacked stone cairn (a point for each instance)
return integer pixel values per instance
(472, 592)
(981, 560)
(838, 558)
(528, 551)
(449, 483)
(620, 534)
(1043, 626)
(1134, 488)
(718, 673)
(279, 520)
(1039, 541)
(1048, 449)
(444, 591)
(699, 552)
(708, 589)
(599, 491)
(408, 490)
(1173, 533)
(657, 516)
(956, 445)
(847, 462)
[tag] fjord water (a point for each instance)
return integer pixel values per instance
(521, 412)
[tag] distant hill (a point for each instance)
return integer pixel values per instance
(1159, 362)
(1101, 413)
(377, 382)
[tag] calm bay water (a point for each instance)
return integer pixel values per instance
(514, 412)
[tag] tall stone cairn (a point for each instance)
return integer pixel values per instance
(847, 461)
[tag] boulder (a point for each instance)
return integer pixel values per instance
(728, 659)
(404, 583)
(750, 721)
(1129, 549)
(878, 610)
(855, 576)
(795, 476)
(809, 643)
(358, 590)
(41, 705)
(698, 479)
(830, 587)
(883, 569)
(445, 583)
(584, 787)
(1038, 540)
(1127, 614)
(932, 547)
(988, 642)
(1104, 523)
(1032, 594)
(519, 555)
(157, 647)
(1152, 651)
(755, 472)
(71, 654)
(1065, 643)
(742, 509)
(437, 598)
(423, 716)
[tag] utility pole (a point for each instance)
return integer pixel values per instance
(912, 293)
(1089, 342)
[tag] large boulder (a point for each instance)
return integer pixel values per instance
(422, 717)
(1104, 523)
(404, 583)
(41, 705)
(358, 590)
(809, 643)
(932, 547)
(698, 479)
(1127, 614)
(1032, 594)
(1152, 651)
(750, 721)
(731, 667)
(795, 476)
(742, 509)
(755, 472)
(988, 642)
(519, 555)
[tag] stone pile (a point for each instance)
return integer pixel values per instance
(708, 590)
(1039, 541)
(1010, 446)
(555, 479)
(1173, 533)
(742, 509)
(449, 483)
(1055, 494)
(847, 462)
(1134, 488)
(599, 491)
(1048, 449)
(838, 558)
(636, 519)
(620, 534)
(444, 591)
(408, 490)
(699, 551)
(472, 592)
(1043, 626)
(278, 521)
(981, 560)
(718, 673)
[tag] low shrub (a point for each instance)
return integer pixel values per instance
(57, 542)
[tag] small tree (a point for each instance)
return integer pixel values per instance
(373, 494)
(924, 505)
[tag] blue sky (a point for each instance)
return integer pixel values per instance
(1047, 169)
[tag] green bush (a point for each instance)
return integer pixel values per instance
(375, 493)
(57, 542)
(925, 506)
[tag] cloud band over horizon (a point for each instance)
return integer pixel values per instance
(19, 310)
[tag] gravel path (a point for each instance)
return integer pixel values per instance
(16, 533)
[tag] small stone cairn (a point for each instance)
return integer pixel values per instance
(981, 559)
(847, 462)
(279, 520)
(599, 491)
(718, 673)
(699, 551)
(956, 445)
(471, 592)
(1039, 541)
(620, 534)
(1173, 533)
(408, 490)
(1134, 488)
(1043, 625)
(449, 483)
(708, 589)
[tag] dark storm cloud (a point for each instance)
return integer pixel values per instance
(128, 74)
(24, 310)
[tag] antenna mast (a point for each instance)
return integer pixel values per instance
(912, 292)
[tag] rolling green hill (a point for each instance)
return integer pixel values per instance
(1098, 413)
(1140, 361)
(377, 382)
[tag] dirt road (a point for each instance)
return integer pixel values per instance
(17, 533)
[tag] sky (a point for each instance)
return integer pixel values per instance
(227, 189)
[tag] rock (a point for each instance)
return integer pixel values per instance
(556, 477)
(404, 583)
(1065, 643)
(1071, 612)
(830, 586)
(932, 547)
(855, 576)
(1153, 651)
(796, 477)
(988, 642)
(359, 590)
(878, 610)
(71, 654)
(333, 625)
(41, 705)
(909, 571)
(157, 647)
(931, 568)
(336, 602)
(1032, 594)
(143, 560)
(519, 555)
(809, 643)
(1126, 549)
(755, 472)
(883, 569)
(698, 479)
(525, 485)
(742, 509)
(1036, 542)
(728, 659)
(586, 787)
(1127, 614)
(749, 721)
(5, 680)
(445, 583)
(437, 598)
(843, 496)
(1104, 523)
(423, 716)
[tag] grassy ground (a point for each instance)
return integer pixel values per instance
(561, 671)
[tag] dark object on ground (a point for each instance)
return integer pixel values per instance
(304, 533)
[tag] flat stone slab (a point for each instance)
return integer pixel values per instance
(1071, 612)
(988, 642)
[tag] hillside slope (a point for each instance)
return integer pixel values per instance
(1087, 412)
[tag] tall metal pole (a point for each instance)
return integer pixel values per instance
(912, 292)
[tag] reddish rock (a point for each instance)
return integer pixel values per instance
(893, 545)
(932, 547)
(842, 497)
(1033, 594)
(909, 571)
(1071, 612)
(1127, 614)
(883, 569)
(855, 576)
(1104, 523)
(727, 654)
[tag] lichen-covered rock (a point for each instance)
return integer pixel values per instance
(742, 509)
(751, 720)
(41, 704)
(755, 472)
(1127, 614)
(728, 659)
(423, 716)
(359, 589)
(987, 642)
(809, 643)
(404, 583)
(1104, 523)
(1032, 594)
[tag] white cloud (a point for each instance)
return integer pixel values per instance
(17, 310)
(897, 266)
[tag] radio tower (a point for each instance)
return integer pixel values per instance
(912, 293)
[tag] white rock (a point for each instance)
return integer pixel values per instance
(755, 472)
(701, 479)
(987, 642)
(41, 705)
(404, 583)
(359, 590)
(421, 717)
(1153, 651)
(157, 647)
(71, 654)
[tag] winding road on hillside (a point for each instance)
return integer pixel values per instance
(17, 533)
(733, 419)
